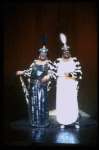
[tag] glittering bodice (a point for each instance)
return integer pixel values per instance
(38, 72)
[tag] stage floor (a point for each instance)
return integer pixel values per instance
(19, 133)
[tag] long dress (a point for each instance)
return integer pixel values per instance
(37, 95)
(38, 98)
(66, 94)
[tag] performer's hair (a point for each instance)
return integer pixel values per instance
(39, 53)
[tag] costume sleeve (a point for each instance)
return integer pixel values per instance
(51, 71)
(27, 72)
(78, 71)
(56, 62)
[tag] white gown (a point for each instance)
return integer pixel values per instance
(66, 95)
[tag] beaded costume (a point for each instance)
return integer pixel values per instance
(37, 95)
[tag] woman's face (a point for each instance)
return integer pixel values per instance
(43, 55)
(66, 54)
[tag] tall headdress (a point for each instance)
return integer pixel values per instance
(64, 41)
(44, 49)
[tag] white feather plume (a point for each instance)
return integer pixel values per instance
(63, 38)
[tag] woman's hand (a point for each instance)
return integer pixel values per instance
(19, 72)
(45, 78)
(66, 74)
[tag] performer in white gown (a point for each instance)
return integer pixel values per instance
(69, 73)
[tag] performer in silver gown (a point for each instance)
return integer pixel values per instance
(68, 75)
(40, 74)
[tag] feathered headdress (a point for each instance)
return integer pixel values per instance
(44, 49)
(64, 41)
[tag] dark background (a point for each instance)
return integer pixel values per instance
(23, 26)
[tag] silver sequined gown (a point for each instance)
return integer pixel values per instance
(38, 98)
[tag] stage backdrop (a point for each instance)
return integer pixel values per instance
(24, 24)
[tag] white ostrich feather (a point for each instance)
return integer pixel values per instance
(63, 38)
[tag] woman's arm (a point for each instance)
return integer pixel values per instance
(51, 72)
(77, 74)
(19, 72)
